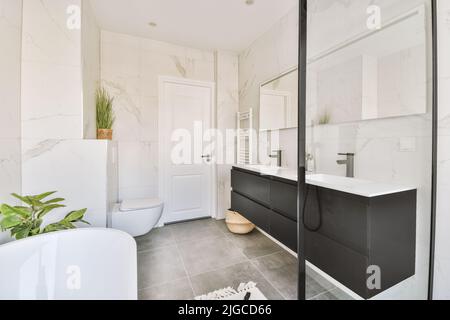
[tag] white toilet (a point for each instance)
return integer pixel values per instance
(137, 217)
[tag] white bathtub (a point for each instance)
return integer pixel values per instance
(82, 264)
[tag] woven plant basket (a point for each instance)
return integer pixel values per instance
(238, 224)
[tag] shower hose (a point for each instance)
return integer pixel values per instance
(319, 205)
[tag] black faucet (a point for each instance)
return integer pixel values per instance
(277, 156)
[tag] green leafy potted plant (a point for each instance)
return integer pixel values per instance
(105, 114)
(26, 221)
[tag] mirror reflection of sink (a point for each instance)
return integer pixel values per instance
(281, 172)
(261, 167)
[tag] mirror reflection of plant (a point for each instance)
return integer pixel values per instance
(105, 112)
(26, 221)
(325, 118)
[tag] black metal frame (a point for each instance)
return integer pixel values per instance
(302, 146)
(435, 148)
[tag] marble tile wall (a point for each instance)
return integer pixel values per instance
(130, 67)
(90, 51)
(52, 100)
(10, 133)
(227, 108)
(273, 53)
(442, 259)
(55, 155)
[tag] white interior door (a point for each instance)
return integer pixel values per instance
(186, 188)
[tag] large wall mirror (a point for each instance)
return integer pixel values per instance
(360, 80)
(279, 102)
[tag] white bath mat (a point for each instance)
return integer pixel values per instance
(232, 294)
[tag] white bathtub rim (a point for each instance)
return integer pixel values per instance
(127, 287)
(78, 230)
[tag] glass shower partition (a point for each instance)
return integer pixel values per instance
(367, 214)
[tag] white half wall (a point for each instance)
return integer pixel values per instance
(82, 171)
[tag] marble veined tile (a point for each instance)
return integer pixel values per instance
(130, 71)
(52, 106)
(46, 36)
(10, 33)
(10, 126)
(73, 168)
(138, 169)
(10, 161)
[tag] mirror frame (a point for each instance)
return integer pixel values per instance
(279, 76)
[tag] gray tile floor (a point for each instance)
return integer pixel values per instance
(182, 261)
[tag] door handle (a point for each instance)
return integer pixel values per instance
(207, 157)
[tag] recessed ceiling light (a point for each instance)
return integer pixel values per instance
(153, 24)
(249, 2)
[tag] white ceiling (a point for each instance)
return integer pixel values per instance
(205, 24)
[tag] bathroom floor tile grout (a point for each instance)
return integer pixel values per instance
(333, 290)
(217, 269)
(235, 264)
(189, 276)
(185, 269)
(266, 255)
(200, 239)
(162, 283)
(156, 248)
(320, 294)
(270, 282)
(221, 235)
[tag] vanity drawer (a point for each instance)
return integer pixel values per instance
(343, 217)
(283, 198)
(257, 214)
(284, 230)
(251, 186)
(341, 263)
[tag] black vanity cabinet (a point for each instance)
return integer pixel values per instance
(358, 234)
(346, 236)
(268, 202)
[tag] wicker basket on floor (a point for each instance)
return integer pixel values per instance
(238, 224)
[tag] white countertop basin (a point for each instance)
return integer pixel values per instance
(358, 187)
